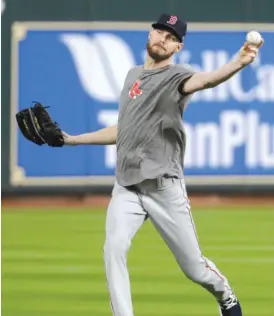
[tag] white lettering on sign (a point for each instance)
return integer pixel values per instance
(261, 91)
(233, 136)
(214, 145)
(102, 71)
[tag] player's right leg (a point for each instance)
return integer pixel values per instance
(125, 216)
(169, 211)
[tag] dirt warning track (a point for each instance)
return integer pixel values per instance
(101, 201)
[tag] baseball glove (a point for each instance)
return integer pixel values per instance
(37, 126)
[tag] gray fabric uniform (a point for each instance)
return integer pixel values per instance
(150, 183)
(151, 139)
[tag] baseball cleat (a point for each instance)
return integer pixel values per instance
(230, 306)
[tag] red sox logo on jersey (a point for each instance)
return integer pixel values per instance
(173, 19)
(135, 90)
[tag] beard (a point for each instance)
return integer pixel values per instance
(157, 53)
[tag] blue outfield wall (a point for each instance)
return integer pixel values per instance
(78, 70)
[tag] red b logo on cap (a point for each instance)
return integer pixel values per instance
(173, 19)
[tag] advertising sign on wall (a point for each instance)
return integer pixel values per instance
(78, 69)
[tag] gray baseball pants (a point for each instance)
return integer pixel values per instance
(164, 201)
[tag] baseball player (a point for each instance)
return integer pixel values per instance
(151, 143)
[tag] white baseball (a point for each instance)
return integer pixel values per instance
(253, 38)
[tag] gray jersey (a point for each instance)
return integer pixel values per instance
(151, 139)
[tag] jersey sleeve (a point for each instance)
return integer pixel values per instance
(181, 73)
(125, 88)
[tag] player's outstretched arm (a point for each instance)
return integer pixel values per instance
(105, 136)
(206, 80)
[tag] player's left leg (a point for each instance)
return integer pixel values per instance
(169, 210)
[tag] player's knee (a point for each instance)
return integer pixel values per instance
(194, 275)
(195, 271)
(116, 246)
(200, 273)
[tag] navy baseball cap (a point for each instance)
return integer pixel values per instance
(173, 24)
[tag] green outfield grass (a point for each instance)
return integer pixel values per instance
(52, 264)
